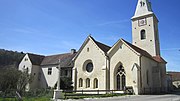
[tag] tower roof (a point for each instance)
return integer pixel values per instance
(143, 8)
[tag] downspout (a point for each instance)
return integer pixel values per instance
(140, 63)
(107, 72)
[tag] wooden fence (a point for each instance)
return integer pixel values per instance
(68, 93)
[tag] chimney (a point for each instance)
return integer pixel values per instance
(73, 51)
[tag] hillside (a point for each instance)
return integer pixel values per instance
(10, 59)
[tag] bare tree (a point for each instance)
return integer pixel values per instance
(23, 81)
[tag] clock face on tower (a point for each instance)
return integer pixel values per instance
(142, 22)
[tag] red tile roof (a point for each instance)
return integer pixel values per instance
(175, 75)
(159, 59)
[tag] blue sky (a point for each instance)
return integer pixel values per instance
(55, 26)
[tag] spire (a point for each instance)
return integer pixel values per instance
(143, 8)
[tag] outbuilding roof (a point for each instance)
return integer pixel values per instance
(65, 60)
(175, 76)
(35, 59)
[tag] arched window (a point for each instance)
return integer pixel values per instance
(87, 83)
(143, 34)
(123, 82)
(95, 83)
(80, 82)
(120, 78)
(118, 82)
(88, 49)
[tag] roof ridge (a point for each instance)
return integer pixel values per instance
(139, 50)
(35, 54)
(65, 58)
(57, 54)
(135, 46)
(102, 46)
(157, 58)
(35, 59)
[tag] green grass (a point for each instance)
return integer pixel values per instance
(37, 99)
(8, 99)
(94, 96)
(48, 98)
(26, 99)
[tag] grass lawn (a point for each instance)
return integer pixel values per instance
(93, 96)
(26, 99)
(48, 98)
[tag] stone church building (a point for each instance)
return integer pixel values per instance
(96, 66)
(138, 65)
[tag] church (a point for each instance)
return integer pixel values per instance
(138, 65)
(96, 66)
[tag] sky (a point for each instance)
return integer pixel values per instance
(50, 27)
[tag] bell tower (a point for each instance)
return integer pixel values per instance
(145, 33)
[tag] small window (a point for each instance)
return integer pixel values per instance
(95, 83)
(142, 4)
(26, 59)
(120, 47)
(49, 71)
(27, 69)
(88, 49)
(147, 77)
(87, 83)
(80, 82)
(143, 34)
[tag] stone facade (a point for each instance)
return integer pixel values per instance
(137, 65)
(97, 66)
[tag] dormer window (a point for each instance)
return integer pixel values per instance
(143, 34)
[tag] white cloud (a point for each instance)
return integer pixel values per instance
(113, 22)
(171, 49)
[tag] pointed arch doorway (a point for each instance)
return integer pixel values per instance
(120, 78)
